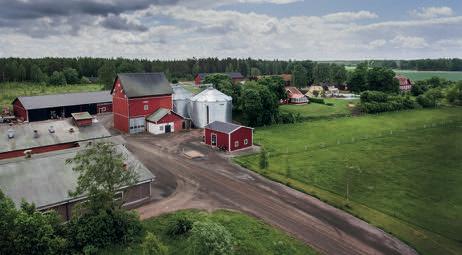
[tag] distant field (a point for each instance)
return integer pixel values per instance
(9, 91)
(251, 236)
(423, 75)
(317, 111)
(403, 170)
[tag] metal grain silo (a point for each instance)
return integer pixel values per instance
(210, 105)
(180, 99)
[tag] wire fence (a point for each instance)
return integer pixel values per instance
(338, 141)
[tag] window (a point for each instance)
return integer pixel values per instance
(246, 141)
(236, 144)
(146, 107)
(118, 196)
(161, 128)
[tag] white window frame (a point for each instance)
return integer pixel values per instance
(236, 144)
(146, 107)
(116, 198)
(211, 139)
(246, 141)
(161, 127)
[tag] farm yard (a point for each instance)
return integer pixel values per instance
(10, 90)
(340, 107)
(398, 171)
(256, 238)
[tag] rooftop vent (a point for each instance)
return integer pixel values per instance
(36, 134)
(51, 129)
(10, 133)
(28, 153)
(71, 130)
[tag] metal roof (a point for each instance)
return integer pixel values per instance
(211, 95)
(144, 84)
(81, 115)
(180, 93)
(158, 115)
(45, 179)
(69, 99)
(223, 127)
(24, 134)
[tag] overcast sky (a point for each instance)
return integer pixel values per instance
(283, 29)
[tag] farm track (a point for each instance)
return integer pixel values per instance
(214, 183)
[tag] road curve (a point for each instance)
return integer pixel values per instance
(221, 184)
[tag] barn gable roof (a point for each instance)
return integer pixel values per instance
(68, 99)
(144, 84)
(159, 114)
(293, 92)
(224, 127)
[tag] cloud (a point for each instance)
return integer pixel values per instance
(121, 23)
(410, 42)
(349, 16)
(432, 12)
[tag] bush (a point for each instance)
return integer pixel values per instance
(330, 104)
(317, 100)
(424, 101)
(179, 226)
(209, 238)
(374, 96)
(153, 246)
(375, 102)
(57, 78)
(85, 80)
(104, 228)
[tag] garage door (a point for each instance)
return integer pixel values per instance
(137, 125)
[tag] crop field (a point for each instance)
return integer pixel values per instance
(9, 91)
(251, 236)
(399, 171)
(340, 107)
(423, 75)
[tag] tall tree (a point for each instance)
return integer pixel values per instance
(357, 82)
(382, 79)
(107, 74)
(71, 75)
(299, 76)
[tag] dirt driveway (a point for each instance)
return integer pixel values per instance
(215, 183)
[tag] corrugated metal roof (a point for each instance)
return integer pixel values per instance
(81, 115)
(24, 134)
(158, 115)
(57, 100)
(293, 92)
(144, 84)
(45, 179)
(223, 127)
(211, 95)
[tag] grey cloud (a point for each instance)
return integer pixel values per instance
(120, 23)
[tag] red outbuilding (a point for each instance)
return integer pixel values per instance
(135, 96)
(405, 84)
(228, 136)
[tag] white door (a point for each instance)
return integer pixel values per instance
(137, 125)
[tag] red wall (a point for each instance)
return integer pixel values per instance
(19, 110)
(120, 108)
(136, 107)
(171, 117)
(20, 153)
(222, 138)
(240, 135)
(82, 123)
(108, 107)
(197, 80)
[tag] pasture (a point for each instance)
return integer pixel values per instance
(424, 75)
(340, 107)
(251, 236)
(399, 171)
(9, 91)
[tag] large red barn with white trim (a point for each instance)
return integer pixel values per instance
(136, 96)
(228, 136)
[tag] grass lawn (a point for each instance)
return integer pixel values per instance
(317, 111)
(404, 180)
(250, 235)
(9, 91)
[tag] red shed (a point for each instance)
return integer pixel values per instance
(164, 121)
(228, 136)
(135, 96)
(82, 119)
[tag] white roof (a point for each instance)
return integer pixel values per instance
(211, 95)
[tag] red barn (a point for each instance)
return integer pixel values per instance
(295, 96)
(228, 136)
(136, 96)
(405, 84)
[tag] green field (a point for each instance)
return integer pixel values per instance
(424, 75)
(317, 111)
(403, 170)
(9, 91)
(251, 236)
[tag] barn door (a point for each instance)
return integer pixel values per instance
(213, 140)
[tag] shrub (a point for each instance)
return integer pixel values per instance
(209, 238)
(57, 78)
(330, 104)
(317, 100)
(375, 102)
(373, 96)
(179, 226)
(153, 246)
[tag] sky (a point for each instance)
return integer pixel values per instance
(267, 29)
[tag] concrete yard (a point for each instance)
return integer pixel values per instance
(214, 183)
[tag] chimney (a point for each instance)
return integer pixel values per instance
(51, 129)
(10, 133)
(36, 134)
